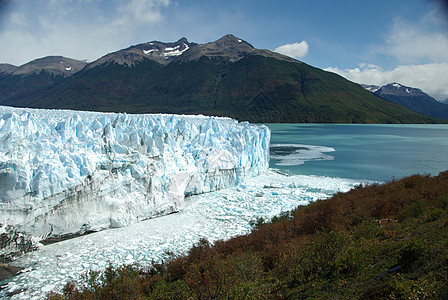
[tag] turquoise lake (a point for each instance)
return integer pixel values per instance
(373, 152)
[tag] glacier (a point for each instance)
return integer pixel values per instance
(70, 172)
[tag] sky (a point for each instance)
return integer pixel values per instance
(371, 42)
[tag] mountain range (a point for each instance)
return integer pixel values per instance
(411, 98)
(227, 77)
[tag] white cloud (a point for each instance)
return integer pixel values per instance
(144, 11)
(79, 29)
(18, 19)
(295, 50)
(420, 48)
(416, 43)
(431, 78)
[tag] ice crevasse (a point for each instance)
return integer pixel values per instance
(69, 172)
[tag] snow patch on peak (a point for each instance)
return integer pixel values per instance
(168, 49)
(148, 52)
(175, 51)
(402, 89)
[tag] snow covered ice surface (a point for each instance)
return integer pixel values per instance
(214, 216)
(69, 172)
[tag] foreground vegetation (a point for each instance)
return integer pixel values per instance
(377, 242)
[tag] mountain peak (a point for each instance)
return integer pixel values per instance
(183, 40)
(397, 89)
(56, 65)
(230, 39)
(160, 52)
(229, 46)
(414, 99)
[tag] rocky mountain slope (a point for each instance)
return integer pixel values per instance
(21, 82)
(162, 53)
(228, 77)
(411, 98)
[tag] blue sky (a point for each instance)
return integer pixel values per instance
(373, 42)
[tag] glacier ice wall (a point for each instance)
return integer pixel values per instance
(69, 172)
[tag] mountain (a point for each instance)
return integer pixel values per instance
(227, 77)
(54, 65)
(19, 82)
(413, 99)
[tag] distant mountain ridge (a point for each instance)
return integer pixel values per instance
(411, 98)
(227, 77)
(397, 89)
(228, 46)
(162, 53)
(55, 65)
(25, 80)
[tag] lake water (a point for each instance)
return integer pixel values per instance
(374, 152)
(318, 159)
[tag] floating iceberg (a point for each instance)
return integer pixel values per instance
(69, 172)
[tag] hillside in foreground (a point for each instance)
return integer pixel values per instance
(385, 241)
